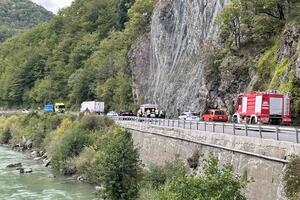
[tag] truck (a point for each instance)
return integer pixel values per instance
(92, 106)
(269, 107)
(57, 107)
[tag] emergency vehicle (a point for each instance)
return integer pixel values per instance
(269, 107)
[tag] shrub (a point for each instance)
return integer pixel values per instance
(5, 136)
(94, 123)
(215, 183)
(71, 145)
(292, 178)
(84, 163)
(117, 166)
(158, 176)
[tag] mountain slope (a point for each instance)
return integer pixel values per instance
(81, 54)
(16, 15)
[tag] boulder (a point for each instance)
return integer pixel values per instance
(46, 162)
(34, 154)
(25, 170)
(15, 165)
(37, 158)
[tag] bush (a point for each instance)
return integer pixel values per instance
(292, 178)
(5, 136)
(71, 145)
(215, 183)
(158, 176)
(117, 166)
(84, 163)
(94, 123)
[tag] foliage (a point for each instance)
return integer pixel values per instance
(248, 21)
(117, 166)
(157, 176)
(292, 178)
(16, 15)
(70, 146)
(229, 18)
(81, 54)
(5, 136)
(84, 163)
(215, 183)
(96, 123)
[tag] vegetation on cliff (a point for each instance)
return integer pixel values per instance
(81, 54)
(17, 15)
(263, 34)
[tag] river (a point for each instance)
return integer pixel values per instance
(37, 185)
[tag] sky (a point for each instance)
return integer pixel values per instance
(53, 5)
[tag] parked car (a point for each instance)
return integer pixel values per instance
(216, 115)
(112, 114)
(126, 113)
(190, 116)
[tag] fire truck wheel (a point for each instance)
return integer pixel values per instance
(253, 121)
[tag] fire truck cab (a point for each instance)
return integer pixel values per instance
(269, 107)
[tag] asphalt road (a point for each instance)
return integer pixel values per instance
(267, 132)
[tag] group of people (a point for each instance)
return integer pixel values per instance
(151, 113)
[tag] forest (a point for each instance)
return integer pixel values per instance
(17, 15)
(81, 54)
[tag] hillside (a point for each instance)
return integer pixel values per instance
(80, 54)
(181, 55)
(16, 15)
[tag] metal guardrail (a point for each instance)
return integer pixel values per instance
(279, 133)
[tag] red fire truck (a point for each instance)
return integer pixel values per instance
(268, 107)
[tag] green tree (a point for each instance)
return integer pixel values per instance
(230, 20)
(118, 167)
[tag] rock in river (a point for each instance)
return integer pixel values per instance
(15, 165)
(25, 170)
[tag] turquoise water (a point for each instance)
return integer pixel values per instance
(36, 185)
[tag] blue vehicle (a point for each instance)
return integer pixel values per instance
(49, 108)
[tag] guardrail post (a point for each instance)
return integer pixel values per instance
(164, 122)
(246, 129)
(197, 125)
(178, 124)
(277, 133)
(158, 121)
(214, 127)
(172, 123)
(168, 122)
(205, 126)
(233, 129)
(223, 128)
(260, 133)
(190, 124)
(184, 124)
(297, 135)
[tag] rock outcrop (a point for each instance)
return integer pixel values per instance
(171, 62)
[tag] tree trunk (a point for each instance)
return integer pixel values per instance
(280, 9)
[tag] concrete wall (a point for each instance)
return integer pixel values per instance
(264, 169)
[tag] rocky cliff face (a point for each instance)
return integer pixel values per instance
(169, 64)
